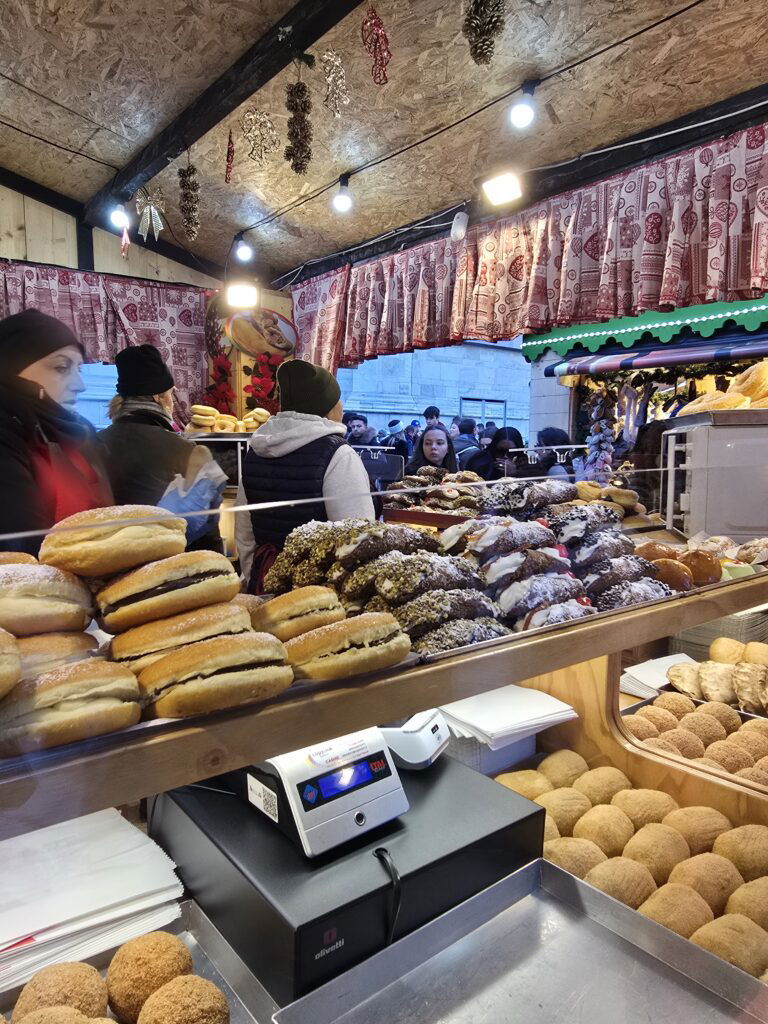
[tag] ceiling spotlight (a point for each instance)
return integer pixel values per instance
(243, 251)
(342, 201)
(242, 295)
(523, 111)
(119, 217)
(504, 188)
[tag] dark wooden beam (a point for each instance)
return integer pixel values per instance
(542, 184)
(299, 29)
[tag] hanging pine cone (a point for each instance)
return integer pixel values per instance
(483, 21)
(298, 152)
(189, 200)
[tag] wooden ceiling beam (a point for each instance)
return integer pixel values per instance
(306, 23)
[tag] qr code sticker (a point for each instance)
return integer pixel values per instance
(263, 798)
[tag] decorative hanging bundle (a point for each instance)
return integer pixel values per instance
(376, 45)
(260, 134)
(230, 159)
(189, 200)
(150, 203)
(336, 92)
(483, 21)
(298, 152)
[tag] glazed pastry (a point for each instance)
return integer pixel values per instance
(750, 684)
(632, 592)
(459, 633)
(566, 611)
(361, 582)
(716, 681)
(705, 567)
(595, 547)
(607, 574)
(621, 496)
(502, 539)
(577, 524)
(522, 597)
(378, 538)
(685, 679)
(413, 575)
(676, 575)
(519, 565)
(432, 609)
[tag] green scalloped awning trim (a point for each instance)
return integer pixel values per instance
(702, 320)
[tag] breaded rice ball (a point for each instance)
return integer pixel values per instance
(659, 847)
(738, 940)
(141, 967)
(713, 877)
(624, 879)
(699, 826)
(526, 783)
(186, 1000)
(677, 703)
(677, 907)
(642, 806)
(706, 727)
(751, 900)
(747, 848)
(577, 856)
(563, 768)
(600, 785)
(76, 985)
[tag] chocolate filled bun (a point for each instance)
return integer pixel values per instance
(365, 643)
(42, 599)
(222, 672)
(168, 587)
(631, 592)
(431, 610)
(459, 633)
(573, 527)
(251, 602)
(104, 541)
(522, 597)
(607, 574)
(506, 538)
(555, 614)
(378, 538)
(10, 662)
(142, 646)
(596, 547)
(506, 569)
(75, 702)
(412, 575)
(297, 612)
(47, 651)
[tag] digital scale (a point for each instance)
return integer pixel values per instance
(326, 795)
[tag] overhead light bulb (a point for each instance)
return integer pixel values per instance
(242, 295)
(342, 201)
(504, 188)
(523, 111)
(243, 251)
(119, 217)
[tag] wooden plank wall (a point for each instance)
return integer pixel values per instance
(32, 231)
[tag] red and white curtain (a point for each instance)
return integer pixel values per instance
(109, 313)
(319, 312)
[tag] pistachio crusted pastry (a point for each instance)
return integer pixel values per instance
(278, 577)
(376, 539)
(431, 610)
(459, 633)
(359, 585)
(412, 575)
(300, 542)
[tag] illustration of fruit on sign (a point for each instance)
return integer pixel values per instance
(261, 331)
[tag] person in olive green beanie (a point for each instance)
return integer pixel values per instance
(296, 455)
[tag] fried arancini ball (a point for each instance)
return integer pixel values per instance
(713, 877)
(643, 806)
(706, 727)
(751, 900)
(737, 939)
(728, 717)
(608, 827)
(563, 768)
(641, 728)
(69, 984)
(600, 785)
(625, 880)
(660, 717)
(677, 703)
(527, 783)
(678, 907)
(565, 806)
(699, 826)
(659, 847)
(577, 856)
(747, 848)
(186, 1000)
(141, 967)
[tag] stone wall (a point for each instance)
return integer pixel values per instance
(550, 401)
(401, 386)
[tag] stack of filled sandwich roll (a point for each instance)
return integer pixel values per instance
(181, 645)
(208, 420)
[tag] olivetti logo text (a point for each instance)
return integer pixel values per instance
(330, 944)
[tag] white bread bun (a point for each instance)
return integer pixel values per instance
(71, 703)
(142, 646)
(168, 587)
(362, 644)
(17, 558)
(250, 601)
(42, 599)
(223, 672)
(105, 541)
(10, 662)
(43, 653)
(298, 611)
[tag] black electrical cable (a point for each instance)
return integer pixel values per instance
(396, 892)
(58, 145)
(63, 106)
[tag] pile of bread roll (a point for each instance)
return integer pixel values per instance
(207, 420)
(686, 868)
(149, 981)
(749, 390)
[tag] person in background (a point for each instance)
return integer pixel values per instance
(358, 431)
(479, 429)
(298, 454)
(550, 463)
(412, 434)
(396, 439)
(50, 465)
(466, 443)
(432, 416)
(499, 458)
(453, 430)
(381, 436)
(435, 448)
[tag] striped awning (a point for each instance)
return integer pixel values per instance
(728, 347)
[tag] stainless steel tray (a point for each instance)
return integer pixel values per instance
(213, 958)
(539, 947)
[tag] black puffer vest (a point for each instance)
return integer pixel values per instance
(289, 477)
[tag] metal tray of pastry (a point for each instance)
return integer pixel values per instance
(539, 947)
(213, 959)
(644, 702)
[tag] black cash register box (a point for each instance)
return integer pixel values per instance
(297, 923)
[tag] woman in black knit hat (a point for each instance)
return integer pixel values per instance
(49, 464)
